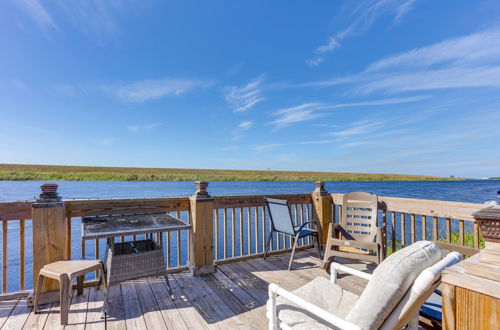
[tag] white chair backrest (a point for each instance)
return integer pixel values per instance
(359, 216)
(390, 282)
(420, 291)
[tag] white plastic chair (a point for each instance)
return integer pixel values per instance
(391, 300)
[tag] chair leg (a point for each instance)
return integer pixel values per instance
(319, 245)
(65, 291)
(326, 257)
(79, 285)
(103, 280)
(295, 241)
(269, 239)
(38, 291)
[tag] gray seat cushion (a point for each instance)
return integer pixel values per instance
(391, 280)
(322, 293)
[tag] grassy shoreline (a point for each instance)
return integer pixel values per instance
(18, 172)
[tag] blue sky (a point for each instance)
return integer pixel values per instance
(409, 86)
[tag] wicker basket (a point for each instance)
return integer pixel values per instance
(130, 260)
(490, 229)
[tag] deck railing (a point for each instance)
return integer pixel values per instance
(241, 225)
(408, 220)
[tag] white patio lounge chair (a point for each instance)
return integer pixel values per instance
(391, 300)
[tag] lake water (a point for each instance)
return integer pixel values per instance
(474, 191)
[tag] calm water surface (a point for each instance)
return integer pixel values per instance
(477, 191)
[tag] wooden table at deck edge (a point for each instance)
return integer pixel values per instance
(469, 302)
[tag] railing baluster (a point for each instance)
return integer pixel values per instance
(384, 224)
(96, 249)
(217, 240)
(424, 227)
(242, 233)
(448, 230)
(403, 229)
(4, 255)
(233, 232)
(169, 248)
(190, 221)
(257, 229)
(22, 254)
(476, 235)
(68, 235)
(249, 227)
(224, 215)
(179, 244)
(302, 220)
(264, 236)
(179, 248)
(413, 232)
(435, 234)
(393, 229)
(308, 218)
(461, 235)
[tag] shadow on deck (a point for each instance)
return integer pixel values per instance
(233, 297)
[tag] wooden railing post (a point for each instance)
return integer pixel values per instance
(201, 253)
(322, 208)
(49, 235)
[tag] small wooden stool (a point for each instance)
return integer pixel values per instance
(65, 271)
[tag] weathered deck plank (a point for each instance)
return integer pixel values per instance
(6, 308)
(37, 321)
(134, 319)
(78, 310)
(172, 317)
(234, 297)
(115, 317)
(94, 309)
(18, 316)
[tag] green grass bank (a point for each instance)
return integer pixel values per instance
(18, 172)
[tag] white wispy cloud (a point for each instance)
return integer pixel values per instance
(297, 114)
(37, 13)
(266, 147)
(470, 61)
(153, 89)
(478, 48)
(246, 125)
(355, 144)
(245, 97)
(239, 131)
(356, 18)
(488, 76)
(310, 111)
(95, 19)
(143, 128)
(358, 128)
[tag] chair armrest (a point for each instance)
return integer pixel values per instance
(275, 291)
(335, 267)
(354, 244)
(303, 225)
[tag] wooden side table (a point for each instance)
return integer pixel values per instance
(469, 302)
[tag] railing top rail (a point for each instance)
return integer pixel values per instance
(257, 200)
(15, 210)
(77, 208)
(435, 208)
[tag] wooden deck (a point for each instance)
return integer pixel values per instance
(233, 297)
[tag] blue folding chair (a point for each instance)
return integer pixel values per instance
(281, 222)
